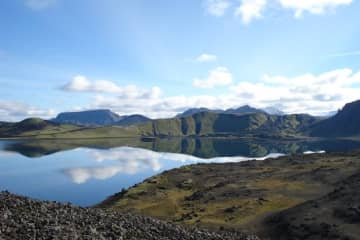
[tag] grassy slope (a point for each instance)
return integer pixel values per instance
(236, 195)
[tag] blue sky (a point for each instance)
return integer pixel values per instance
(161, 57)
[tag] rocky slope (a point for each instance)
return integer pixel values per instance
(24, 218)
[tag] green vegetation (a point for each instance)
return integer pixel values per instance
(201, 124)
(236, 195)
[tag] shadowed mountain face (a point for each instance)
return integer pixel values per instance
(92, 118)
(334, 216)
(345, 123)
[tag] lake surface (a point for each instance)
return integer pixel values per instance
(86, 172)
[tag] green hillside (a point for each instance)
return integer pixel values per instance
(201, 124)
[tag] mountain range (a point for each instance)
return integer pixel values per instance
(105, 117)
(101, 117)
(97, 124)
(239, 110)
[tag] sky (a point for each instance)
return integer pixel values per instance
(160, 57)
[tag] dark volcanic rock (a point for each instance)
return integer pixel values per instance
(24, 218)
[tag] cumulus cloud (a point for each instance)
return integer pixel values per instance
(82, 84)
(39, 4)
(250, 9)
(315, 94)
(205, 57)
(14, 111)
(217, 7)
(219, 76)
(308, 93)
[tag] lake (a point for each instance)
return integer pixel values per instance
(85, 172)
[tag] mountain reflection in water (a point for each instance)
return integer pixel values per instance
(85, 172)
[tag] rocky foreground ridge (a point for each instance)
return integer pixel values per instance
(25, 218)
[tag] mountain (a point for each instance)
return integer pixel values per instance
(243, 109)
(210, 124)
(100, 117)
(200, 124)
(344, 124)
(135, 119)
(193, 111)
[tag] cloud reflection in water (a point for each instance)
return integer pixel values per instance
(131, 160)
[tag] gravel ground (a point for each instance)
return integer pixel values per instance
(25, 218)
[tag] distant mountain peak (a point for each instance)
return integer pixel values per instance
(237, 110)
(98, 117)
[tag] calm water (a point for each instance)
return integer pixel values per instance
(86, 172)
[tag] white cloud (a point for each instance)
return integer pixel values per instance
(219, 76)
(217, 7)
(306, 93)
(39, 4)
(250, 10)
(82, 84)
(312, 6)
(205, 57)
(14, 111)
